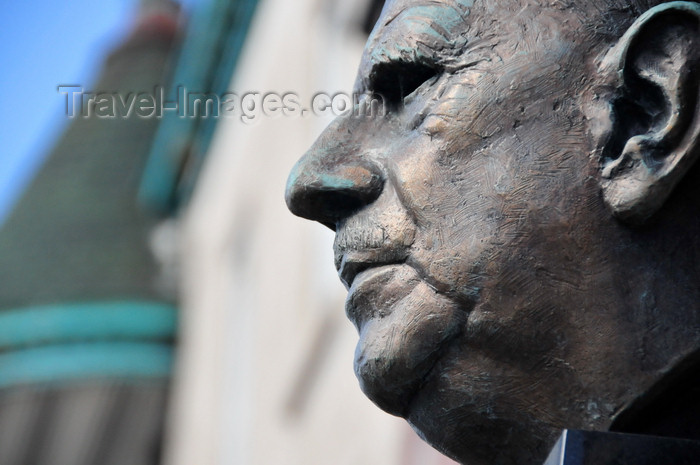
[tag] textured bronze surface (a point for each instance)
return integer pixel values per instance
(519, 232)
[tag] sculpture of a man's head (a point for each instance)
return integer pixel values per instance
(519, 231)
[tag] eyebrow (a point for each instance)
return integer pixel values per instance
(429, 35)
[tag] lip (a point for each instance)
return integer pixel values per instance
(371, 272)
(374, 292)
(350, 267)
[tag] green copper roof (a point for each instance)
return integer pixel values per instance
(77, 232)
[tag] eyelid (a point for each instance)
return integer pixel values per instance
(427, 83)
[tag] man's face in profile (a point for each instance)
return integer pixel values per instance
(469, 228)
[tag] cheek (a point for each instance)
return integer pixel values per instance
(457, 204)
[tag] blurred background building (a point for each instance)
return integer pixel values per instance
(86, 323)
(158, 302)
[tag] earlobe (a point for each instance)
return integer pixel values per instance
(654, 134)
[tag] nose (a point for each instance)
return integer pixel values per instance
(330, 184)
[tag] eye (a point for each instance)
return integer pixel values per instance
(396, 80)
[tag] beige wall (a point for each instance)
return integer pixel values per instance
(265, 371)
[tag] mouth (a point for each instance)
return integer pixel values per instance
(350, 264)
(350, 269)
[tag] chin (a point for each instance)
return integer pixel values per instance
(404, 329)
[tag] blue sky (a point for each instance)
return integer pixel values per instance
(44, 43)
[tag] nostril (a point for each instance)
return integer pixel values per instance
(329, 207)
(331, 194)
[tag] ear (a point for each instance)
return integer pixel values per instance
(652, 137)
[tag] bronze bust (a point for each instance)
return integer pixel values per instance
(519, 232)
